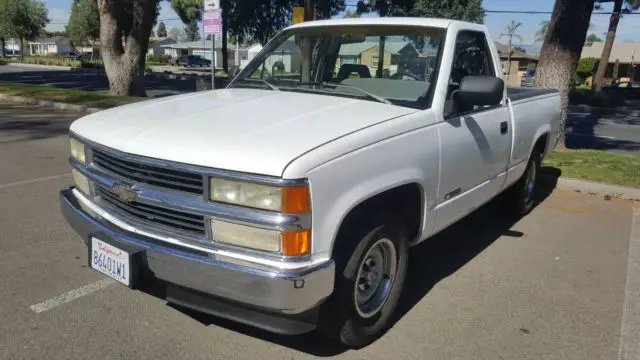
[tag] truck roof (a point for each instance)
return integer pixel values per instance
(400, 21)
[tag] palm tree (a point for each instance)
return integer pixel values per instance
(544, 27)
(510, 32)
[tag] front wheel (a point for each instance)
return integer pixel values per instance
(371, 266)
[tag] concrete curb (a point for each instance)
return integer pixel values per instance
(51, 104)
(607, 191)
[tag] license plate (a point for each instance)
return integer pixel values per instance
(110, 260)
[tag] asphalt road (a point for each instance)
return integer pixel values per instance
(610, 130)
(547, 286)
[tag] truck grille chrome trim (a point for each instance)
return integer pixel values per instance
(178, 220)
(149, 174)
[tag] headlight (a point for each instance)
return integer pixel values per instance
(288, 200)
(77, 151)
(290, 243)
(81, 181)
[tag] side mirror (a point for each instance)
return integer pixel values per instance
(480, 90)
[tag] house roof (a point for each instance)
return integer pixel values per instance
(50, 40)
(503, 50)
(200, 44)
(358, 48)
(620, 51)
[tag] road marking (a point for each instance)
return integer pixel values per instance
(71, 295)
(591, 135)
(26, 182)
(630, 327)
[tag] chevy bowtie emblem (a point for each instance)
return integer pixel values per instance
(124, 192)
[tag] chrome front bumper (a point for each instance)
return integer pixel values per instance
(288, 291)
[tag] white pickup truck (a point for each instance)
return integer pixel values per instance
(289, 200)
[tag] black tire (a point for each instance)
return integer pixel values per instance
(521, 196)
(340, 318)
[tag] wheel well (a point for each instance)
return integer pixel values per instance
(404, 201)
(541, 143)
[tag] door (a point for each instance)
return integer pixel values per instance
(475, 142)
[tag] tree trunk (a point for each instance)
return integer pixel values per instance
(2, 45)
(509, 59)
(21, 49)
(561, 51)
(608, 44)
(124, 62)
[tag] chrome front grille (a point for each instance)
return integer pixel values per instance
(149, 174)
(153, 215)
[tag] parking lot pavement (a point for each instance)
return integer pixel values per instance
(548, 286)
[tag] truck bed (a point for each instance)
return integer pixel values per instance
(518, 93)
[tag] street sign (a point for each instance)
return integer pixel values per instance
(211, 5)
(212, 22)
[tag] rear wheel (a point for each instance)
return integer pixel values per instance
(371, 266)
(522, 195)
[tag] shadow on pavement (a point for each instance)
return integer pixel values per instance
(430, 262)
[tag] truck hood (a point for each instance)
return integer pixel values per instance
(248, 130)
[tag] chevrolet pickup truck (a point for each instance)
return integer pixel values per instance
(290, 199)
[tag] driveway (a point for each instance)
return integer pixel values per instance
(550, 285)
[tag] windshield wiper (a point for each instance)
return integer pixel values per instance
(270, 85)
(324, 83)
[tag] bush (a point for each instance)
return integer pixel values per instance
(95, 64)
(586, 96)
(159, 58)
(49, 60)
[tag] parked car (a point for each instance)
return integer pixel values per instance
(528, 78)
(624, 89)
(292, 204)
(191, 61)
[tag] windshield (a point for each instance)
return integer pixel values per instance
(390, 64)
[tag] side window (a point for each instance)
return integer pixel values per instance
(472, 56)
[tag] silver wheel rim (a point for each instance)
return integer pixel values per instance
(530, 182)
(375, 277)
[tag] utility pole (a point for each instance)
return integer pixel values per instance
(308, 10)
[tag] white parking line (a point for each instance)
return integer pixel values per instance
(25, 182)
(71, 295)
(630, 328)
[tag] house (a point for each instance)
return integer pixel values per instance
(49, 45)
(203, 47)
(157, 46)
(627, 55)
(520, 63)
(368, 53)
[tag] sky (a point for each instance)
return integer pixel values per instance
(628, 29)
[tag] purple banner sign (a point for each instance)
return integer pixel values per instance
(212, 22)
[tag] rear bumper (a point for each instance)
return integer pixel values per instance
(209, 284)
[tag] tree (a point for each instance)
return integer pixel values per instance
(561, 50)
(125, 26)
(22, 19)
(611, 35)
(161, 31)
(591, 39)
(511, 32)
(193, 31)
(586, 67)
(84, 23)
(466, 10)
(177, 34)
(520, 48)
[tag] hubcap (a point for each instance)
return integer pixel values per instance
(530, 182)
(375, 278)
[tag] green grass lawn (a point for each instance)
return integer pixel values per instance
(597, 165)
(78, 97)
